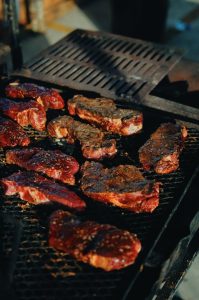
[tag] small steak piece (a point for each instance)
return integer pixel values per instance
(94, 143)
(105, 114)
(36, 189)
(53, 163)
(25, 113)
(11, 134)
(161, 152)
(48, 98)
(100, 245)
(122, 186)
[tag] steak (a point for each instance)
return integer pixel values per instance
(161, 152)
(100, 245)
(48, 98)
(93, 141)
(24, 113)
(55, 164)
(104, 113)
(11, 134)
(122, 186)
(36, 189)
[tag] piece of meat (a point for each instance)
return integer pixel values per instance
(104, 113)
(53, 163)
(122, 186)
(48, 98)
(36, 189)
(24, 113)
(11, 134)
(100, 245)
(93, 141)
(161, 152)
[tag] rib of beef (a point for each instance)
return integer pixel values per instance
(94, 143)
(104, 113)
(48, 98)
(11, 134)
(36, 189)
(25, 113)
(122, 186)
(100, 245)
(161, 152)
(55, 164)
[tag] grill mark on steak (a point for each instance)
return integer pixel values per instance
(94, 144)
(24, 113)
(100, 245)
(122, 186)
(53, 163)
(104, 113)
(161, 152)
(36, 189)
(48, 98)
(11, 134)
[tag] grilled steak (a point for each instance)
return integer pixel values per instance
(48, 98)
(24, 113)
(36, 189)
(55, 164)
(11, 134)
(122, 186)
(100, 245)
(105, 114)
(93, 142)
(161, 152)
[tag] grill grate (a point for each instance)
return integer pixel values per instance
(42, 273)
(111, 65)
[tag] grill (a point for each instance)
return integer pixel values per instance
(43, 273)
(112, 65)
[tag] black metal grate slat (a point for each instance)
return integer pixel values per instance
(121, 58)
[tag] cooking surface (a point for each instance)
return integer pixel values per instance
(42, 272)
(109, 64)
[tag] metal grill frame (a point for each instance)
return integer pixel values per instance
(108, 64)
(99, 284)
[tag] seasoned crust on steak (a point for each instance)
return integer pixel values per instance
(100, 245)
(36, 189)
(11, 134)
(24, 113)
(122, 186)
(161, 152)
(48, 98)
(53, 163)
(94, 144)
(104, 113)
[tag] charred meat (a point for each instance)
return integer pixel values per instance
(36, 189)
(48, 98)
(11, 134)
(122, 186)
(55, 164)
(93, 141)
(24, 113)
(100, 245)
(104, 113)
(161, 152)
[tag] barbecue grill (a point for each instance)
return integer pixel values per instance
(125, 70)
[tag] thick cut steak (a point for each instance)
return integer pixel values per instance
(11, 134)
(122, 186)
(48, 98)
(93, 141)
(53, 163)
(36, 189)
(100, 245)
(24, 113)
(104, 113)
(161, 152)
